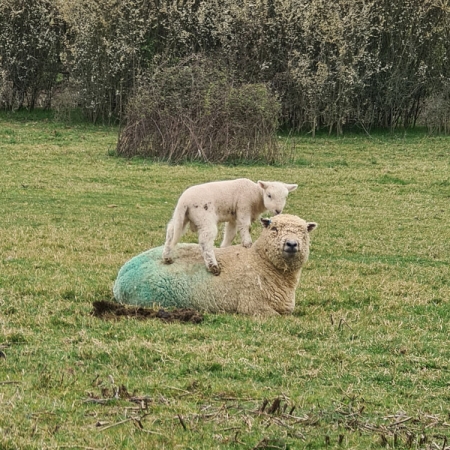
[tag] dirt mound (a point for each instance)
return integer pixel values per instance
(109, 310)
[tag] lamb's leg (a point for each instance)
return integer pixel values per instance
(229, 234)
(168, 246)
(243, 227)
(206, 236)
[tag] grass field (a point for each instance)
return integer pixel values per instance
(364, 361)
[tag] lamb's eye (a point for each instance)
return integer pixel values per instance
(268, 195)
(274, 230)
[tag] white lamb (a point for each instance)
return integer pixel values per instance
(237, 202)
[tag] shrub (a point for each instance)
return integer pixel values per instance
(65, 103)
(436, 112)
(104, 47)
(31, 35)
(192, 111)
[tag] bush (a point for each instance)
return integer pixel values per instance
(65, 104)
(31, 35)
(192, 111)
(436, 112)
(105, 44)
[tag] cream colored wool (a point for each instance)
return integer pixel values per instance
(260, 280)
(237, 202)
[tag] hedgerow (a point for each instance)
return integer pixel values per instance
(368, 63)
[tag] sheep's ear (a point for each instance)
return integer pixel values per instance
(311, 226)
(265, 221)
(291, 187)
(263, 184)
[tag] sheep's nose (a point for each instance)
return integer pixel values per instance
(277, 211)
(291, 246)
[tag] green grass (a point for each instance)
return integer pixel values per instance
(364, 361)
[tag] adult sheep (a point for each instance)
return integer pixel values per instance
(237, 202)
(260, 280)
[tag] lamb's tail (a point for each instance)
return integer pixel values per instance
(177, 225)
(175, 229)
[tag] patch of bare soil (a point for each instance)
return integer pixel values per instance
(104, 309)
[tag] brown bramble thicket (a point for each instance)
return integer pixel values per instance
(194, 111)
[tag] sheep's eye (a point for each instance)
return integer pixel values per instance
(268, 195)
(274, 230)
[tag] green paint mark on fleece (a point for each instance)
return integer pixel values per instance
(146, 281)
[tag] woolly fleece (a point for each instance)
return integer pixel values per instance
(260, 280)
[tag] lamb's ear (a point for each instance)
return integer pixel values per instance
(265, 221)
(291, 187)
(311, 226)
(263, 184)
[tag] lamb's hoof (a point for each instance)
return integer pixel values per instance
(247, 245)
(167, 260)
(215, 270)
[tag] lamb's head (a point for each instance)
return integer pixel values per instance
(284, 241)
(275, 194)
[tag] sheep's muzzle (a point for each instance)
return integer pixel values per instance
(290, 247)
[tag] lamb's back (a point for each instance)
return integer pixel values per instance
(225, 198)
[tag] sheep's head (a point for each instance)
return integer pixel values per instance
(285, 241)
(275, 195)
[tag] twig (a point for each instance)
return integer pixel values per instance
(406, 419)
(343, 322)
(290, 428)
(236, 438)
(178, 389)
(258, 445)
(115, 424)
(182, 422)
(76, 446)
(153, 432)
(263, 406)
(100, 401)
(230, 429)
(10, 382)
(275, 406)
(296, 418)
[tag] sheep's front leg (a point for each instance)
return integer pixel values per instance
(243, 227)
(206, 236)
(229, 234)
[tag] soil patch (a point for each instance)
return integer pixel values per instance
(110, 310)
